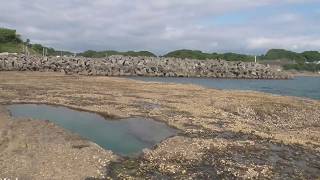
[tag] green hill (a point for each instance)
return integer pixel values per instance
(38, 48)
(236, 57)
(273, 54)
(303, 67)
(10, 47)
(195, 54)
(311, 56)
(10, 41)
(192, 54)
(101, 54)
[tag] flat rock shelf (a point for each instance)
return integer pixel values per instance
(126, 137)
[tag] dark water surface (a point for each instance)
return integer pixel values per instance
(125, 137)
(300, 86)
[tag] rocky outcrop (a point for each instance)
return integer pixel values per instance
(141, 66)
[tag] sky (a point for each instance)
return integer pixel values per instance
(160, 26)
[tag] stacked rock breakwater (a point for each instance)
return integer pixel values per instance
(141, 66)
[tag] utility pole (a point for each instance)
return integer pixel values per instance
(27, 51)
(255, 59)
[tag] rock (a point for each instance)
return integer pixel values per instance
(140, 66)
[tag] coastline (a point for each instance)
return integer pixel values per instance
(303, 73)
(39, 149)
(218, 127)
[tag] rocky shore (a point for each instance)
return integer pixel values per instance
(224, 134)
(141, 66)
(37, 149)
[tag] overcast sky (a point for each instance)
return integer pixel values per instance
(246, 26)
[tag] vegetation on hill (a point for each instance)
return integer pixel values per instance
(10, 41)
(307, 56)
(9, 35)
(191, 54)
(272, 54)
(10, 47)
(283, 54)
(194, 54)
(38, 48)
(101, 54)
(236, 57)
(311, 56)
(303, 67)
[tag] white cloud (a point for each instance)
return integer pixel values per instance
(286, 18)
(292, 43)
(154, 25)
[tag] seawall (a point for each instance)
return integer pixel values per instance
(141, 66)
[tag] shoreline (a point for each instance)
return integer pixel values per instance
(303, 73)
(27, 143)
(306, 75)
(222, 78)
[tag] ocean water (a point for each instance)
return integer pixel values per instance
(126, 136)
(308, 87)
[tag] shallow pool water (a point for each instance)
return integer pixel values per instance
(126, 136)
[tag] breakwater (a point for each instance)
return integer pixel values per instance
(141, 66)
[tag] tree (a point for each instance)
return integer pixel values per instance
(191, 54)
(9, 35)
(37, 47)
(101, 54)
(311, 56)
(274, 54)
(195, 54)
(303, 67)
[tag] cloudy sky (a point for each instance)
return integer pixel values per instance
(246, 26)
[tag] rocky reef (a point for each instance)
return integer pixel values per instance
(223, 134)
(141, 66)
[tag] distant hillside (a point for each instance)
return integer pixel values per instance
(283, 54)
(303, 67)
(307, 56)
(305, 61)
(10, 41)
(272, 54)
(195, 54)
(38, 48)
(311, 56)
(101, 54)
(192, 54)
